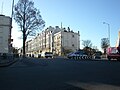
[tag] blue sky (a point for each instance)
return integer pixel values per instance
(86, 16)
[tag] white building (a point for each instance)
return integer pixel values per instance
(66, 41)
(43, 42)
(53, 39)
(5, 34)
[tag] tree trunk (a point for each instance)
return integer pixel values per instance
(24, 34)
(24, 39)
(104, 50)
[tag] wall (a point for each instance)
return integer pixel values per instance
(5, 34)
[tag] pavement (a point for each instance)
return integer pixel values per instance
(7, 62)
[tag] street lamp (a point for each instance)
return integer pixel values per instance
(108, 31)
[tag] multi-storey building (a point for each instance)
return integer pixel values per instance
(43, 42)
(56, 40)
(5, 34)
(66, 41)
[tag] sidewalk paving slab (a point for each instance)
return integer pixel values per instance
(7, 62)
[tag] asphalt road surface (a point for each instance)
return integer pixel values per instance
(60, 74)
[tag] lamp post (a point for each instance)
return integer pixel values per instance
(108, 31)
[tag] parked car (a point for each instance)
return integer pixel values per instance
(81, 54)
(47, 55)
(97, 55)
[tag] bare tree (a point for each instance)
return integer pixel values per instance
(87, 43)
(87, 46)
(28, 19)
(104, 44)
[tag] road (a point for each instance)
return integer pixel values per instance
(60, 74)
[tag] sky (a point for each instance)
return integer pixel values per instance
(85, 16)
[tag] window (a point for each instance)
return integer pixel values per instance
(72, 35)
(73, 45)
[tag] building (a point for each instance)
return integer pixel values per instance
(5, 34)
(53, 39)
(66, 41)
(43, 42)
